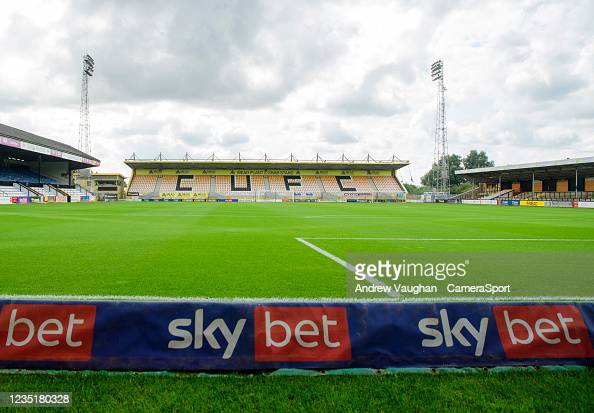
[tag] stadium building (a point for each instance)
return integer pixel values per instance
(266, 180)
(561, 180)
(37, 169)
(104, 185)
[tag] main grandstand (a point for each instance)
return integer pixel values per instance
(37, 169)
(266, 180)
(560, 180)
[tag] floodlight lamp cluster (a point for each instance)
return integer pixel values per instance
(437, 70)
(88, 64)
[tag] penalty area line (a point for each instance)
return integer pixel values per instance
(348, 266)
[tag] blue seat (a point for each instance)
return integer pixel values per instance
(23, 176)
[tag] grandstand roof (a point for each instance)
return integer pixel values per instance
(564, 168)
(13, 139)
(265, 164)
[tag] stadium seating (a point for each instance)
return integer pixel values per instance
(168, 184)
(11, 191)
(45, 191)
(223, 184)
(241, 184)
(277, 184)
(362, 183)
(310, 184)
(330, 184)
(260, 185)
(298, 184)
(22, 175)
(76, 194)
(386, 184)
(196, 184)
(341, 184)
(142, 184)
(555, 196)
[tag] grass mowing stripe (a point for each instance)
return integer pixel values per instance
(515, 391)
(219, 250)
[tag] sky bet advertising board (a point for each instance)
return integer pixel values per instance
(245, 336)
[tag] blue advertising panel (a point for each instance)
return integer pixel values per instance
(196, 336)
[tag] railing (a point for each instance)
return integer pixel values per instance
(557, 196)
(29, 190)
(291, 159)
(477, 193)
(504, 194)
(470, 194)
(58, 190)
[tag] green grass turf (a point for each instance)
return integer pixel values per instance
(249, 250)
(516, 391)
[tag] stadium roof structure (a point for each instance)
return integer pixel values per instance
(564, 168)
(94, 174)
(265, 163)
(28, 146)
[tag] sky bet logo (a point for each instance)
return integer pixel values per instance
(298, 334)
(443, 331)
(281, 334)
(543, 331)
(194, 332)
(46, 332)
(526, 332)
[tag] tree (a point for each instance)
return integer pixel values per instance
(477, 159)
(463, 187)
(416, 190)
(454, 164)
(474, 159)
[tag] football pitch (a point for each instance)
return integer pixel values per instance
(300, 251)
(283, 251)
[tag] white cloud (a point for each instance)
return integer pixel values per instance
(234, 139)
(334, 133)
(303, 77)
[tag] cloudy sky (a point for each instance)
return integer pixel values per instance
(303, 76)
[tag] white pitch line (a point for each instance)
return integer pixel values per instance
(448, 239)
(348, 266)
(158, 298)
(154, 298)
(327, 254)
